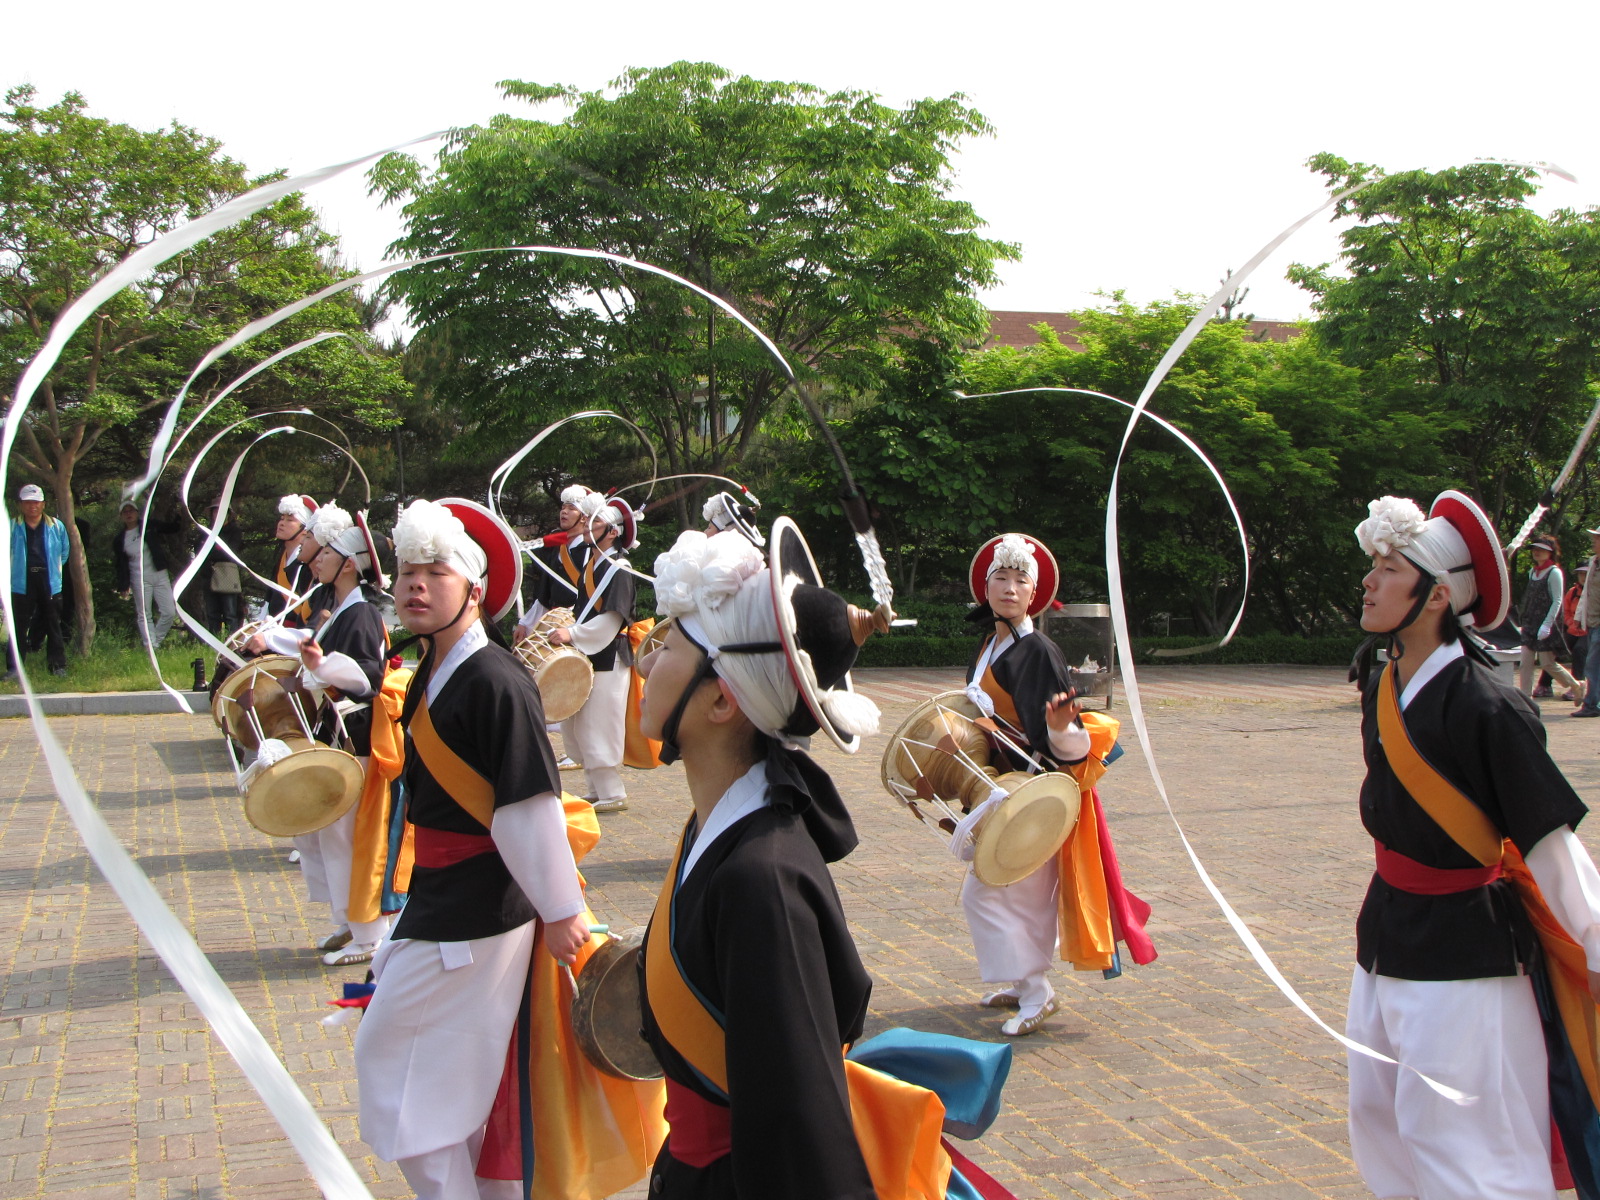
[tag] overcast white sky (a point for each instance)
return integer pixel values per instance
(1145, 146)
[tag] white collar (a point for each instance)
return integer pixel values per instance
(999, 645)
(350, 601)
(748, 793)
(1431, 666)
(469, 643)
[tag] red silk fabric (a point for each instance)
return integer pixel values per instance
(1409, 875)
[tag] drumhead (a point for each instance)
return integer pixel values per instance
(309, 790)
(565, 679)
(898, 769)
(606, 1015)
(1027, 828)
(224, 705)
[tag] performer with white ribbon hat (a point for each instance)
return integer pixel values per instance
(1020, 681)
(755, 661)
(344, 660)
(725, 511)
(557, 562)
(596, 734)
(291, 572)
(1484, 911)
(495, 891)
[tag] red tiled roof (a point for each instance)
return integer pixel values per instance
(1012, 328)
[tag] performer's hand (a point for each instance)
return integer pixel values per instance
(1061, 710)
(560, 637)
(256, 645)
(311, 654)
(564, 938)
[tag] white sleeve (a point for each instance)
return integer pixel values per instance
(529, 619)
(598, 632)
(1571, 886)
(340, 670)
(285, 641)
(1069, 744)
(531, 836)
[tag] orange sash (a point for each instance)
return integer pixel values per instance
(567, 565)
(593, 1135)
(638, 751)
(1088, 939)
(370, 850)
(1470, 828)
(283, 581)
(897, 1124)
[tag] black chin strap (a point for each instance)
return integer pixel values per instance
(670, 753)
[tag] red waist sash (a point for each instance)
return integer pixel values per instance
(442, 848)
(701, 1132)
(1409, 875)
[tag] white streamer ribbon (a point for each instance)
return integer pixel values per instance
(167, 936)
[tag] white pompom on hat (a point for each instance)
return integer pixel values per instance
(1454, 543)
(330, 522)
(427, 532)
(301, 508)
(574, 493)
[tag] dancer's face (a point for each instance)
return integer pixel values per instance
(667, 670)
(1009, 594)
(1388, 592)
(571, 517)
(289, 528)
(427, 597)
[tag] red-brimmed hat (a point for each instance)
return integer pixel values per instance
(503, 549)
(372, 551)
(1489, 571)
(1044, 591)
(814, 620)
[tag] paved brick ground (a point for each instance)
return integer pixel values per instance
(1191, 1077)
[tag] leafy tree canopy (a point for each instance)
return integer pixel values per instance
(825, 217)
(1470, 311)
(78, 194)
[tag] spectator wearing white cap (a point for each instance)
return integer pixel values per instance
(38, 557)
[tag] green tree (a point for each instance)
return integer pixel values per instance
(1470, 311)
(1281, 421)
(77, 195)
(825, 217)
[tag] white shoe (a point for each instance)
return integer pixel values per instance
(611, 804)
(337, 940)
(566, 763)
(355, 952)
(294, 856)
(1004, 998)
(1021, 1026)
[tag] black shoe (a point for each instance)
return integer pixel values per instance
(1585, 712)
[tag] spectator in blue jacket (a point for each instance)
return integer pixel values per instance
(38, 558)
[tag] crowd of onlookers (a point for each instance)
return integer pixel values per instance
(144, 571)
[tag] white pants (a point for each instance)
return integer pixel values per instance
(327, 874)
(311, 869)
(1014, 929)
(594, 735)
(432, 1047)
(1481, 1036)
(155, 588)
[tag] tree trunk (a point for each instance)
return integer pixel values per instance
(77, 560)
